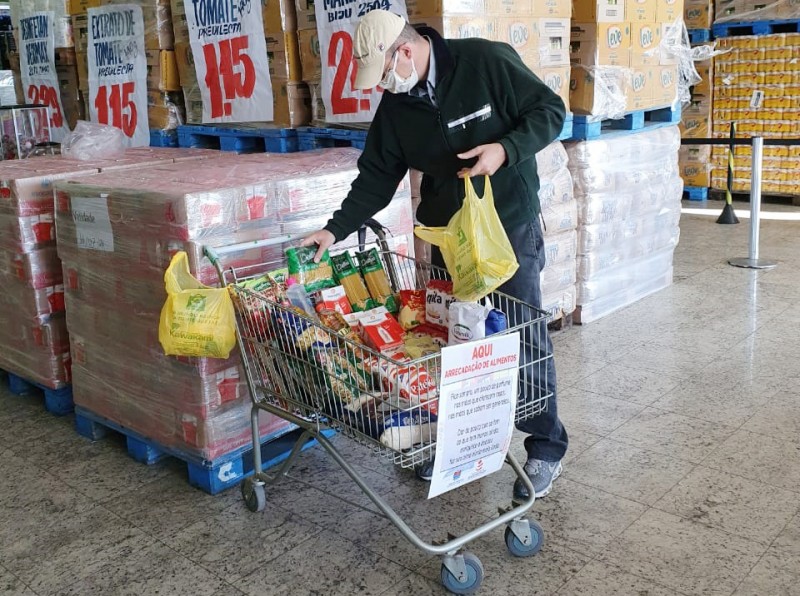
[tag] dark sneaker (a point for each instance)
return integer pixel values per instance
(542, 475)
(425, 471)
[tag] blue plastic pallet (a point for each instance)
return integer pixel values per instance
(590, 127)
(756, 28)
(238, 140)
(566, 131)
(311, 138)
(56, 401)
(211, 476)
(163, 138)
(699, 35)
(696, 193)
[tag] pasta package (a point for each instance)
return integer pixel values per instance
(377, 282)
(349, 277)
(313, 276)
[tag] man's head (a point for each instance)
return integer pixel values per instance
(384, 42)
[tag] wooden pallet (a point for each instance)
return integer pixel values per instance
(586, 128)
(756, 28)
(56, 401)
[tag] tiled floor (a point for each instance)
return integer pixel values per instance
(683, 475)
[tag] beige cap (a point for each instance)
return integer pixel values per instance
(376, 32)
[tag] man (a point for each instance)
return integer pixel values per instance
(458, 108)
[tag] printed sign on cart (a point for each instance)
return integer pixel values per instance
(336, 23)
(230, 59)
(118, 71)
(477, 403)
(38, 65)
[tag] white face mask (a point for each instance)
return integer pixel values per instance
(393, 83)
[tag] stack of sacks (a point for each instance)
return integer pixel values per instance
(114, 268)
(629, 191)
(33, 332)
(560, 216)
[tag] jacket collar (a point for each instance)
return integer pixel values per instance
(442, 55)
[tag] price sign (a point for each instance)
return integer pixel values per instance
(336, 22)
(230, 59)
(118, 71)
(38, 65)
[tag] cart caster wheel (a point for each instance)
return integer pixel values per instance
(254, 495)
(471, 582)
(518, 548)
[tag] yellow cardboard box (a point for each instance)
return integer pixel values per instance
(306, 15)
(695, 154)
(599, 11)
(309, 55)
(696, 118)
(665, 85)
(283, 51)
(592, 92)
(605, 44)
(640, 88)
(696, 174)
(541, 42)
(459, 27)
(162, 70)
(668, 11)
(706, 72)
(279, 16)
(558, 79)
(645, 42)
(698, 14)
(291, 103)
(640, 10)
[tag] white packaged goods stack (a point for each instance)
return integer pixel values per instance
(116, 236)
(33, 334)
(560, 215)
(628, 190)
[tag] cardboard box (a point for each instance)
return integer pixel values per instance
(698, 14)
(284, 56)
(598, 11)
(535, 8)
(291, 103)
(81, 6)
(606, 44)
(80, 32)
(540, 42)
(306, 17)
(695, 174)
(309, 55)
(665, 85)
(279, 16)
(696, 118)
(459, 27)
(706, 72)
(558, 79)
(82, 64)
(438, 8)
(641, 88)
(641, 10)
(587, 96)
(669, 11)
(184, 60)
(696, 154)
(162, 70)
(645, 42)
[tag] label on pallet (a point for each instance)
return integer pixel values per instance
(38, 68)
(230, 60)
(92, 223)
(477, 403)
(118, 71)
(336, 22)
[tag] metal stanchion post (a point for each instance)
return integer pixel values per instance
(752, 261)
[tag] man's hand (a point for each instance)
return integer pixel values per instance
(323, 239)
(490, 158)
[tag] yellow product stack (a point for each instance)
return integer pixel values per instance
(617, 62)
(696, 123)
(165, 104)
(537, 29)
(757, 86)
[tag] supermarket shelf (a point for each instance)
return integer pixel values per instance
(592, 127)
(756, 28)
(56, 401)
(699, 35)
(163, 138)
(695, 193)
(311, 138)
(238, 138)
(211, 476)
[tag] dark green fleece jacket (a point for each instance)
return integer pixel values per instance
(485, 94)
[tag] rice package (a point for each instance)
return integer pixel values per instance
(468, 321)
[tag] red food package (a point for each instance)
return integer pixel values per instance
(333, 299)
(412, 310)
(382, 332)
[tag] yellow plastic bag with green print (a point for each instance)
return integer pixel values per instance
(474, 246)
(196, 320)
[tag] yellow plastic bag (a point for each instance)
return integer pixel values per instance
(474, 246)
(196, 320)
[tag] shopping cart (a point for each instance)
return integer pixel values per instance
(319, 379)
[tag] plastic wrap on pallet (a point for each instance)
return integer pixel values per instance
(560, 217)
(625, 275)
(63, 33)
(561, 302)
(36, 350)
(635, 291)
(561, 248)
(551, 160)
(592, 264)
(559, 277)
(748, 11)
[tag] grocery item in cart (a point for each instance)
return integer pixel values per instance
(381, 331)
(412, 308)
(468, 321)
(419, 345)
(314, 276)
(400, 376)
(377, 281)
(439, 295)
(348, 275)
(333, 299)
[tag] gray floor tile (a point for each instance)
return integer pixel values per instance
(324, 564)
(778, 572)
(11, 585)
(736, 505)
(417, 585)
(583, 411)
(627, 383)
(779, 416)
(682, 437)
(627, 471)
(598, 579)
(683, 555)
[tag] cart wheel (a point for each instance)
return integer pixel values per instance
(519, 549)
(471, 582)
(254, 495)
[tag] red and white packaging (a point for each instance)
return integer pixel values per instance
(333, 299)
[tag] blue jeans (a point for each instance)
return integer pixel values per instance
(547, 438)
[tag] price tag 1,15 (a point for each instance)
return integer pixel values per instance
(118, 71)
(230, 59)
(37, 63)
(336, 22)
